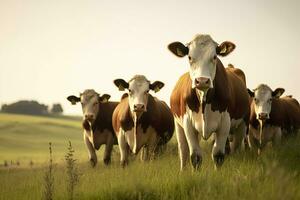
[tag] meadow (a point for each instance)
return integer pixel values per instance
(273, 175)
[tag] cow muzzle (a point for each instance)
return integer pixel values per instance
(263, 116)
(202, 83)
(139, 108)
(89, 117)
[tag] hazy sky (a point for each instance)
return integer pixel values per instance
(51, 49)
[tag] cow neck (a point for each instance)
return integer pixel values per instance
(218, 96)
(278, 112)
(102, 120)
(192, 101)
(145, 120)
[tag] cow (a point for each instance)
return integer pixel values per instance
(271, 117)
(96, 123)
(141, 120)
(208, 99)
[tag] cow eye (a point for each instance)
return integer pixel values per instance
(255, 100)
(147, 91)
(215, 57)
(270, 100)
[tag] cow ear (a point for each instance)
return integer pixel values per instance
(277, 92)
(225, 48)
(73, 99)
(156, 86)
(104, 98)
(121, 84)
(178, 49)
(251, 94)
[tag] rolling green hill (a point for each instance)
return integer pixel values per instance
(24, 138)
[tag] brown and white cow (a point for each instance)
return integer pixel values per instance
(97, 123)
(271, 117)
(208, 99)
(141, 120)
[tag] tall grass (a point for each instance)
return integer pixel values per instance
(49, 178)
(72, 172)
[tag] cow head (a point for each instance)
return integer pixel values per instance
(262, 98)
(202, 53)
(89, 100)
(138, 89)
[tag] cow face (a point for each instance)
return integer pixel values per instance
(89, 100)
(202, 53)
(263, 97)
(138, 89)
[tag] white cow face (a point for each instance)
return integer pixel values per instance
(90, 103)
(138, 89)
(263, 97)
(202, 53)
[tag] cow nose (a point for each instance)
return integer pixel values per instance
(89, 116)
(202, 82)
(262, 116)
(139, 107)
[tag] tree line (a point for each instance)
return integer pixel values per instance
(32, 108)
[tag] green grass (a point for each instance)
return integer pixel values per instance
(23, 137)
(273, 175)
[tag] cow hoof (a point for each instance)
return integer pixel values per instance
(219, 159)
(106, 161)
(124, 163)
(93, 162)
(196, 161)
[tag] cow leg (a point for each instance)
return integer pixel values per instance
(238, 137)
(252, 141)
(277, 137)
(183, 148)
(227, 146)
(123, 146)
(108, 150)
(160, 149)
(153, 147)
(250, 138)
(193, 144)
(145, 153)
(218, 151)
(91, 150)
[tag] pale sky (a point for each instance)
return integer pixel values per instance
(52, 49)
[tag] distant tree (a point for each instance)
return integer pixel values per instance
(4, 108)
(25, 107)
(56, 109)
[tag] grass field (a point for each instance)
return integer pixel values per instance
(273, 175)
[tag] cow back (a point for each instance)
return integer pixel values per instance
(239, 98)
